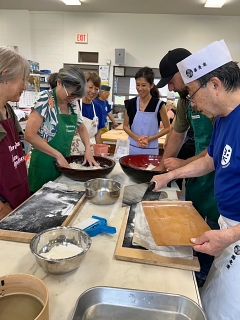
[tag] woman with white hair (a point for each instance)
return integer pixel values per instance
(52, 125)
(14, 189)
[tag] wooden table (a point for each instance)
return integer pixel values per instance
(110, 137)
(99, 268)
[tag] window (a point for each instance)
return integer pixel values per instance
(125, 87)
(88, 57)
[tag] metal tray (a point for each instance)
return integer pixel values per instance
(106, 303)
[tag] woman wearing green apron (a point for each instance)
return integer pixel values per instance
(51, 127)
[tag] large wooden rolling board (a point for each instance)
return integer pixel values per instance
(140, 255)
(174, 223)
(47, 208)
(114, 134)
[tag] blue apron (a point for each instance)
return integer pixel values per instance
(145, 124)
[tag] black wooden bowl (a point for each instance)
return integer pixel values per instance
(135, 166)
(106, 165)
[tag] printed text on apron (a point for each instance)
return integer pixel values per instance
(13, 176)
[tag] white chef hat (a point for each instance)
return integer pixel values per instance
(204, 61)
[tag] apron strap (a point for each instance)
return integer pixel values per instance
(80, 107)
(94, 110)
(157, 107)
(138, 104)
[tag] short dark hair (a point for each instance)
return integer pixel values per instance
(228, 74)
(94, 77)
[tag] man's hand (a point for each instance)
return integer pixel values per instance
(174, 163)
(160, 167)
(5, 209)
(213, 242)
(161, 180)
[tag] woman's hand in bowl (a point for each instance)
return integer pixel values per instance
(88, 157)
(62, 162)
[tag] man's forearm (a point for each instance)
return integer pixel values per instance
(196, 168)
(198, 156)
(174, 144)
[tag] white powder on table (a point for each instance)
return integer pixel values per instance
(61, 251)
(79, 166)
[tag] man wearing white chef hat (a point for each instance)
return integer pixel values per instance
(188, 119)
(213, 82)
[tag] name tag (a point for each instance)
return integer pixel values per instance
(197, 116)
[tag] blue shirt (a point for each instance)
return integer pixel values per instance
(106, 108)
(87, 111)
(224, 148)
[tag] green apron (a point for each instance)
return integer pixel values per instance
(201, 190)
(42, 168)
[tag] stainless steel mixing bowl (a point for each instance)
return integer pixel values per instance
(102, 191)
(46, 240)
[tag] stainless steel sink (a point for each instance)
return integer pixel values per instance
(106, 303)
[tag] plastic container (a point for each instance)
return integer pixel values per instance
(100, 149)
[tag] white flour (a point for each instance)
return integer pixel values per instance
(61, 251)
(78, 166)
(150, 167)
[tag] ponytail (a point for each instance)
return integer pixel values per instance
(154, 92)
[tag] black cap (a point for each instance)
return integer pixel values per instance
(104, 87)
(168, 65)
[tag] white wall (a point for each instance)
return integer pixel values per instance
(15, 29)
(48, 38)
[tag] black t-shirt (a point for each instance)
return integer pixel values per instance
(131, 108)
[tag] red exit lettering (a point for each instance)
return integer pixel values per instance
(81, 37)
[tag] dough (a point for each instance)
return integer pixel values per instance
(61, 251)
(78, 166)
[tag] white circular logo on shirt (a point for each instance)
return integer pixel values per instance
(226, 156)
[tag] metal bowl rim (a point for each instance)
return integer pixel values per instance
(119, 185)
(63, 259)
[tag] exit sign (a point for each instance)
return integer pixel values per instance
(81, 38)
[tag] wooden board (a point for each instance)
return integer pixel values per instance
(174, 223)
(114, 134)
(140, 255)
(120, 127)
(47, 208)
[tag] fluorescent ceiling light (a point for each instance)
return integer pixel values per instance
(214, 3)
(72, 2)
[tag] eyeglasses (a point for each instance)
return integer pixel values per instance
(190, 98)
(65, 90)
(72, 96)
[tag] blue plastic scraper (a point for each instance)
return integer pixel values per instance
(95, 225)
